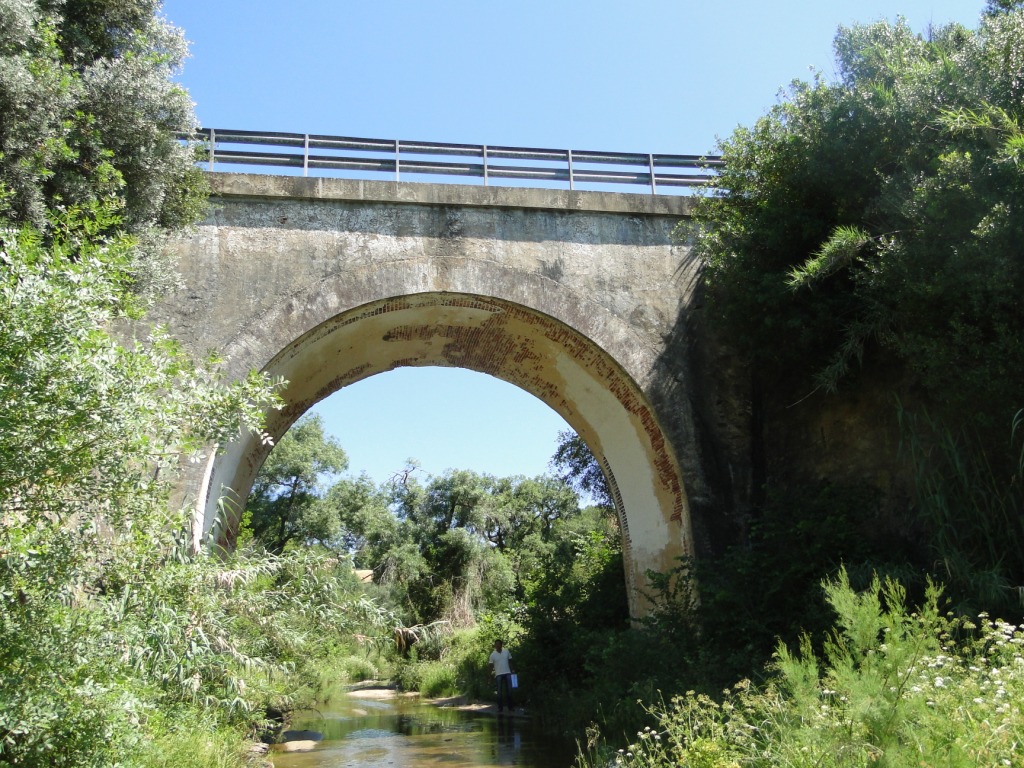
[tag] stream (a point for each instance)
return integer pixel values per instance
(376, 728)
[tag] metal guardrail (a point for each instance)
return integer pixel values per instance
(312, 152)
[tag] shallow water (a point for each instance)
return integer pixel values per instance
(408, 733)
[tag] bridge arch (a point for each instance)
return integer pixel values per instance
(569, 298)
(531, 350)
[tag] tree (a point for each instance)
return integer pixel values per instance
(878, 220)
(458, 544)
(441, 544)
(518, 506)
(91, 114)
(287, 500)
(86, 89)
(578, 468)
(520, 517)
(882, 211)
(367, 527)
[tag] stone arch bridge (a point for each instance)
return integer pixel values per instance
(579, 298)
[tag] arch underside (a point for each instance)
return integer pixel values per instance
(523, 347)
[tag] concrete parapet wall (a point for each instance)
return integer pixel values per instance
(464, 195)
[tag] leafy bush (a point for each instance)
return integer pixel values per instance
(358, 668)
(409, 675)
(891, 688)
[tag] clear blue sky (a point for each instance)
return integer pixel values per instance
(664, 76)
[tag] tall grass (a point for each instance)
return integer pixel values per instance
(176, 660)
(192, 743)
(970, 499)
(438, 678)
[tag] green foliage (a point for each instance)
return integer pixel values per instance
(366, 526)
(766, 588)
(93, 432)
(98, 419)
(839, 251)
(518, 508)
(892, 688)
(438, 678)
(578, 468)
(91, 109)
(191, 742)
(160, 638)
(882, 211)
(718, 619)
(971, 513)
(578, 587)
(286, 503)
(358, 668)
(106, 625)
(866, 219)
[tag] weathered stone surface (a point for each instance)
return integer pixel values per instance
(578, 298)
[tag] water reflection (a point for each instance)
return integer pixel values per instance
(354, 730)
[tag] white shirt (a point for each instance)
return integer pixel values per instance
(502, 661)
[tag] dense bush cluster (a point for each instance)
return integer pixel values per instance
(893, 687)
(870, 228)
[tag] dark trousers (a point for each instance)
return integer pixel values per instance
(504, 683)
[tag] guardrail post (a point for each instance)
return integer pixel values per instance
(572, 184)
(213, 145)
(305, 156)
(654, 180)
(398, 150)
(485, 164)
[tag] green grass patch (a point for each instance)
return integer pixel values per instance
(438, 678)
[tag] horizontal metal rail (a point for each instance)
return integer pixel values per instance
(312, 152)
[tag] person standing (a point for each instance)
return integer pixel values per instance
(501, 665)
